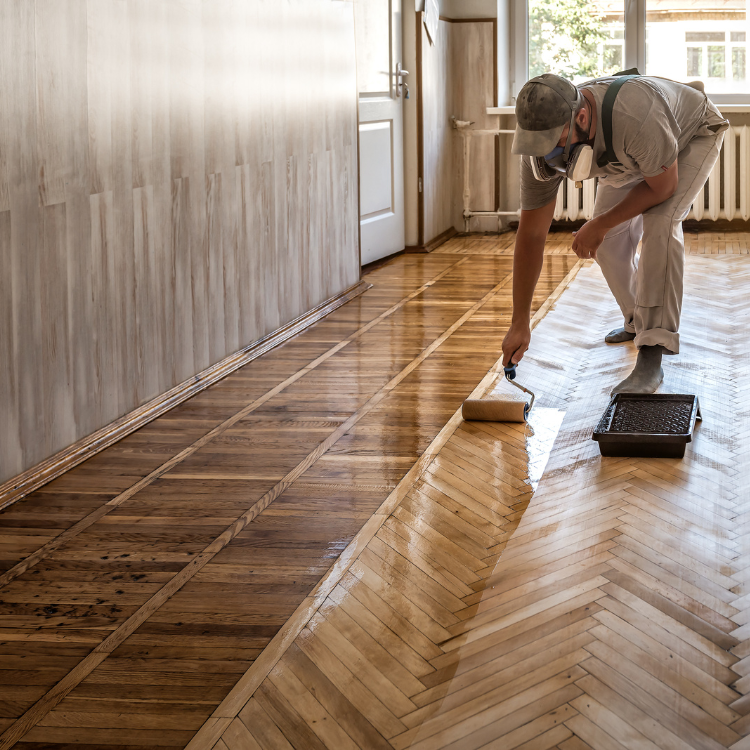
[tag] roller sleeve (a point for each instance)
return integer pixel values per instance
(494, 410)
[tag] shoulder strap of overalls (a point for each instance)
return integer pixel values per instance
(609, 156)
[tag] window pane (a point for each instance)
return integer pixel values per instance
(716, 63)
(612, 59)
(694, 61)
(738, 63)
(698, 40)
(577, 39)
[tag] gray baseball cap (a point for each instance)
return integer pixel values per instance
(544, 106)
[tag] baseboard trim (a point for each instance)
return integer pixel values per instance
(720, 225)
(689, 225)
(51, 468)
(428, 247)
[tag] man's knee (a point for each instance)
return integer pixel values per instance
(662, 230)
(662, 260)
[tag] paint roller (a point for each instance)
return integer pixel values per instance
(501, 409)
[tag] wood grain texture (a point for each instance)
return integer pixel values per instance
(473, 73)
(558, 242)
(42, 473)
(605, 608)
(132, 608)
(179, 180)
(437, 133)
(458, 80)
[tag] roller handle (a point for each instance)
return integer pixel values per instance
(510, 374)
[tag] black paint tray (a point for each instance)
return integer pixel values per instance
(656, 425)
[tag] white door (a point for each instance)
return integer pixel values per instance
(381, 155)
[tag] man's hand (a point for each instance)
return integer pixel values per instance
(588, 238)
(647, 194)
(515, 343)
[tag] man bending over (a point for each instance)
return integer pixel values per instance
(652, 143)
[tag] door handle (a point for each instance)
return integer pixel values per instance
(400, 75)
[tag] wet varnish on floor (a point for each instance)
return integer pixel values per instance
(139, 588)
(318, 553)
(607, 609)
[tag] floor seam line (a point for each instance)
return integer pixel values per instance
(38, 555)
(57, 693)
(355, 547)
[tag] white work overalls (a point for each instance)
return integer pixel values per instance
(649, 290)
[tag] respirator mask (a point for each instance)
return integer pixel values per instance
(572, 160)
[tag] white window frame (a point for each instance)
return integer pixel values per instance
(635, 48)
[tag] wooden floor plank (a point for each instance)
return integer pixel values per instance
(220, 463)
(634, 546)
(521, 591)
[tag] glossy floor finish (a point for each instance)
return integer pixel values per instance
(696, 243)
(608, 609)
(137, 589)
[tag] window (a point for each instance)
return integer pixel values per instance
(712, 35)
(717, 66)
(697, 40)
(714, 53)
(612, 57)
(694, 62)
(576, 39)
(738, 63)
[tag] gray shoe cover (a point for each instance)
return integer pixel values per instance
(647, 374)
(618, 336)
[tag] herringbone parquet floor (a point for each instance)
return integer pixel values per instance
(138, 588)
(558, 243)
(607, 608)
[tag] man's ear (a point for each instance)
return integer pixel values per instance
(581, 116)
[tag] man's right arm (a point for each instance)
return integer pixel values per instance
(528, 257)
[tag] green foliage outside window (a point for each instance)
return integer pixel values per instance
(612, 57)
(694, 61)
(738, 63)
(565, 38)
(716, 61)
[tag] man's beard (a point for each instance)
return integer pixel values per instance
(581, 134)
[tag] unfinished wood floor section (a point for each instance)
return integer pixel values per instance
(609, 610)
(138, 588)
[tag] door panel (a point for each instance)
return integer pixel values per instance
(381, 157)
(376, 168)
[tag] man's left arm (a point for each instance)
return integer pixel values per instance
(645, 195)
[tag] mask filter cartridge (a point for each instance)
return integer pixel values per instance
(551, 166)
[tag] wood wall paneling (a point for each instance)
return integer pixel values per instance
(8, 361)
(458, 79)
(473, 76)
(177, 180)
(437, 133)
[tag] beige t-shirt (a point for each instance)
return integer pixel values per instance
(653, 119)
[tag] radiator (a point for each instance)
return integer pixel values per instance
(726, 194)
